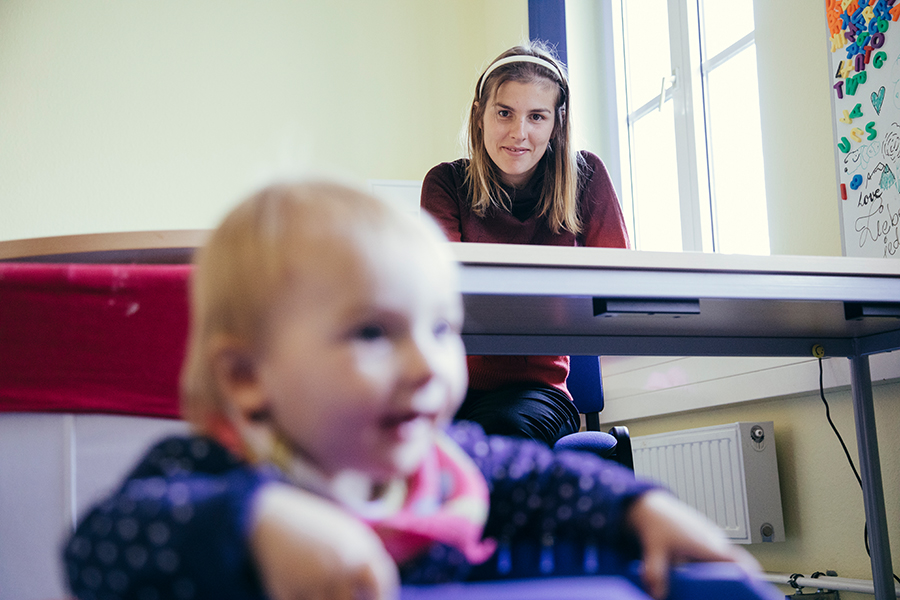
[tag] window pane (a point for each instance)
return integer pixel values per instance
(724, 22)
(738, 181)
(646, 49)
(655, 187)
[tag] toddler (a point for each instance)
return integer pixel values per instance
(324, 365)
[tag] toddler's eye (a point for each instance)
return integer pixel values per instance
(370, 332)
(444, 328)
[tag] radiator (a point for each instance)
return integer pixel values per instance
(727, 472)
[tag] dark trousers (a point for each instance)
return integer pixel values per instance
(531, 411)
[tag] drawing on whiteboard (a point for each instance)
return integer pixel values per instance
(890, 147)
(877, 224)
(878, 100)
(857, 160)
(888, 179)
(864, 46)
(884, 174)
(895, 78)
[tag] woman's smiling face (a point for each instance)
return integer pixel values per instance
(518, 124)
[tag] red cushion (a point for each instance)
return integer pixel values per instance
(92, 338)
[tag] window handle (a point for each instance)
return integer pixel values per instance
(666, 81)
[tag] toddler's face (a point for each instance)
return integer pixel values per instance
(365, 360)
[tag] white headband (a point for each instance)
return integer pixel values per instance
(519, 58)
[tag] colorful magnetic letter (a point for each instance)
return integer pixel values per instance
(853, 82)
(846, 68)
(870, 127)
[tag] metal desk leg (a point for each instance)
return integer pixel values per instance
(870, 471)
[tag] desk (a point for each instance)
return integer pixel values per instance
(539, 300)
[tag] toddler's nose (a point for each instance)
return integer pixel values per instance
(418, 363)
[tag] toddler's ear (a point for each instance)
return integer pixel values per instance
(237, 377)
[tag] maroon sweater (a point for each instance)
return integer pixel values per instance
(447, 198)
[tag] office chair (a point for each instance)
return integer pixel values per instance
(585, 383)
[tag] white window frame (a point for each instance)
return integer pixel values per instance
(685, 88)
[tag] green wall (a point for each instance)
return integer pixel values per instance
(140, 115)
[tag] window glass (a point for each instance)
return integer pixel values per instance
(647, 49)
(655, 182)
(724, 22)
(719, 151)
(736, 156)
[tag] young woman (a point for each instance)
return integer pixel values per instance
(523, 184)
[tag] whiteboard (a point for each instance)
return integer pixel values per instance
(864, 48)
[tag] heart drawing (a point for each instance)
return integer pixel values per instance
(878, 100)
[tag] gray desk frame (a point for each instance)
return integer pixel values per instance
(539, 300)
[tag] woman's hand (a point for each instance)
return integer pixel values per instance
(670, 533)
(307, 548)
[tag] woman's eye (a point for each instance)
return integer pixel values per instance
(538, 117)
(503, 113)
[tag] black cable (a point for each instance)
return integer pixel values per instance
(847, 454)
(830, 422)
